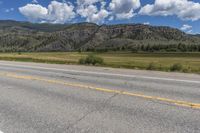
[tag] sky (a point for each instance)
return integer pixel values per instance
(181, 14)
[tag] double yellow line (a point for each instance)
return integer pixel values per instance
(171, 101)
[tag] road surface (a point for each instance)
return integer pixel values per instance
(44, 98)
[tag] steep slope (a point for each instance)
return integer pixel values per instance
(24, 36)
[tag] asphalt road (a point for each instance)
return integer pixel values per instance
(44, 98)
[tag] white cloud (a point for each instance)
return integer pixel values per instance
(111, 18)
(34, 1)
(96, 11)
(187, 28)
(146, 23)
(9, 10)
(56, 12)
(124, 9)
(34, 12)
(184, 9)
(60, 12)
(87, 2)
(190, 31)
(99, 16)
(88, 9)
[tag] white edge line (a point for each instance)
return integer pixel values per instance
(107, 74)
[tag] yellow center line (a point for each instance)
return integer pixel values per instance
(171, 101)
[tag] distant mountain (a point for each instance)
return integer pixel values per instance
(44, 27)
(24, 36)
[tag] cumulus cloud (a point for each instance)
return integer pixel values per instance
(56, 12)
(99, 16)
(124, 9)
(184, 9)
(60, 12)
(96, 11)
(88, 9)
(34, 11)
(187, 28)
(87, 2)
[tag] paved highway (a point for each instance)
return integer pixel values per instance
(44, 98)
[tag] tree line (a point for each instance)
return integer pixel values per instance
(180, 47)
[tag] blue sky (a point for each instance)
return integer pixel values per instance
(182, 14)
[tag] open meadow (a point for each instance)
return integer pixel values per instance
(182, 62)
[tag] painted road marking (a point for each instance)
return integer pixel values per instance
(175, 102)
(106, 74)
(1, 132)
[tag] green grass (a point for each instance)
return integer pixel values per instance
(190, 62)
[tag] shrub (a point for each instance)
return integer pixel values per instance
(187, 69)
(151, 66)
(176, 67)
(91, 60)
(82, 61)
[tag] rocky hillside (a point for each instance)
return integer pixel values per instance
(23, 36)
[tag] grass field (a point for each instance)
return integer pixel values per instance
(190, 62)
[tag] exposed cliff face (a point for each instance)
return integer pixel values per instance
(18, 36)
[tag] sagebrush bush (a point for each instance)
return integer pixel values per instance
(91, 60)
(82, 61)
(176, 67)
(151, 66)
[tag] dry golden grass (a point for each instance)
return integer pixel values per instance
(160, 61)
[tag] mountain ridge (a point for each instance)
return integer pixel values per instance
(34, 37)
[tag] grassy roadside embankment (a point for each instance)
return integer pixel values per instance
(183, 62)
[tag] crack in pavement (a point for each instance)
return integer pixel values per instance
(92, 111)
